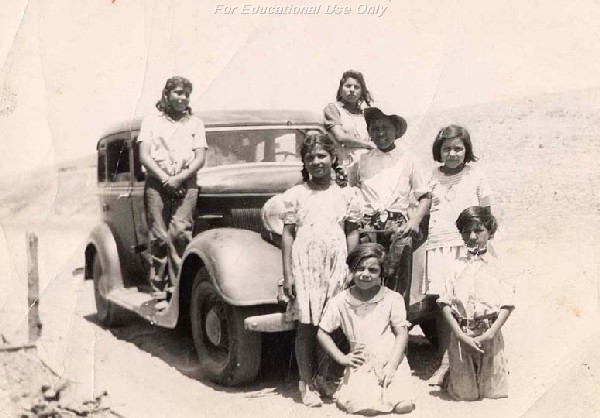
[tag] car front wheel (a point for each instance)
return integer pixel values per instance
(229, 354)
(108, 314)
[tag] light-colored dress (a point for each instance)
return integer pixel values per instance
(369, 324)
(451, 194)
(353, 124)
(320, 249)
(475, 292)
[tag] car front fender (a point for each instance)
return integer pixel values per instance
(101, 243)
(243, 267)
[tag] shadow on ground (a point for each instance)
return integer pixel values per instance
(278, 373)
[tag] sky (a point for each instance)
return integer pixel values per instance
(70, 68)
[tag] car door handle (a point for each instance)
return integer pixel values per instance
(124, 195)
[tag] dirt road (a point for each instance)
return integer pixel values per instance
(152, 372)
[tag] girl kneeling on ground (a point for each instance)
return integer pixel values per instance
(373, 318)
(476, 304)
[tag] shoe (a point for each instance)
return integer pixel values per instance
(325, 388)
(438, 378)
(404, 407)
(309, 396)
(162, 305)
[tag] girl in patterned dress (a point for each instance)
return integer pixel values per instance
(345, 120)
(320, 226)
(455, 185)
(373, 318)
(476, 303)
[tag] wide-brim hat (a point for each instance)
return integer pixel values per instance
(373, 113)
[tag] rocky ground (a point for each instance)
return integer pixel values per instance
(540, 154)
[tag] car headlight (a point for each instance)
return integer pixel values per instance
(271, 215)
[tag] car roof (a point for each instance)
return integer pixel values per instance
(227, 118)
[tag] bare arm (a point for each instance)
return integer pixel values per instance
(412, 225)
(396, 357)
(287, 240)
(352, 236)
(195, 165)
(149, 163)
(347, 140)
(498, 323)
(471, 342)
(353, 359)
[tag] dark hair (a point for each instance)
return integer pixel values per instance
(451, 132)
(171, 84)
(365, 95)
(477, 215)
(366, 250)
(314, 138)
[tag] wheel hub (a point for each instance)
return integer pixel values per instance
(214, 333)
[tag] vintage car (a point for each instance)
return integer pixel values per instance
(227, 293)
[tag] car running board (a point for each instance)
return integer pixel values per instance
(140, 303)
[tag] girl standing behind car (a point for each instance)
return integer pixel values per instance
(344, 119)
(320, 226)
(172, 149)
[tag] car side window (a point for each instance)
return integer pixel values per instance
(117, 160)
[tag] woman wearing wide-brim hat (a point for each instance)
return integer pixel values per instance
(388, 176)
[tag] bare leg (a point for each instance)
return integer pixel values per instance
(443, 334)
(305, 350)
(305, 356)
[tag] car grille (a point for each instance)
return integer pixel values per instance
(247, 219)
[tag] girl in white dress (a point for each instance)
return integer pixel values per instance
(455, 185)
(320, 226)
(377, 378)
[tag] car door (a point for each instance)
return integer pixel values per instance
(116, 200)
(142, 254)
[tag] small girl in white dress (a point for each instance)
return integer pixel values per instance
(455, 185)
(377, 378)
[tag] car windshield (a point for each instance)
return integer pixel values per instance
(253, 146)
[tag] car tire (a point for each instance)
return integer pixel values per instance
(107, 313)
(229, 354)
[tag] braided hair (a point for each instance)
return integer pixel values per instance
(311, 140)
(171, 84)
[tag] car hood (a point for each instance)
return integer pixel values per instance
(251, 178)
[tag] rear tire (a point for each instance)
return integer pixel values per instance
(108, 314)
(228, 353)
